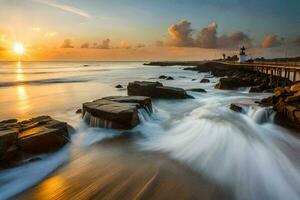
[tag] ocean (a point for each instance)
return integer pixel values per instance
(187, 149)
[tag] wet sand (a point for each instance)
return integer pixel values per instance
(114, 169)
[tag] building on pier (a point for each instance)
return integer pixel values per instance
(242, 55)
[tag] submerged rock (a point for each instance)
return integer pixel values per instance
(78, 111)
(21, 140)
(204, 80)
(197, 90)
(236, 108)
(118, 86)
(156, 90)
(119, 112)
(162, 77)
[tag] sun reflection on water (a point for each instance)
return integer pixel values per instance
(19, 72)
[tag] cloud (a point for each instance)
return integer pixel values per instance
(297, 41)
(181, 34)
(85, 45)
(159, 43)
(271, 41)
(67, 44)
(104, 45)
(140, 45)
(208, 36)
(124, 45)
(234, 40)
(2, 48)
(64, 7)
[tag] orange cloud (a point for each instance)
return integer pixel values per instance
(181, 34)
(208, 36)
(67, 44)
(271, 41)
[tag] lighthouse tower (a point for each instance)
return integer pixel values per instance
(243, 56)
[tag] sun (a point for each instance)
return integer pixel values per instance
(19, 48)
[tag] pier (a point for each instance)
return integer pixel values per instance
(290, 71)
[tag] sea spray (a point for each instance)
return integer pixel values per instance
(233, 150)
(16, 180)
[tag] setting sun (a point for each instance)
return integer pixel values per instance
(19, 48)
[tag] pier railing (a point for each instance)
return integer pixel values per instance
(290, 71)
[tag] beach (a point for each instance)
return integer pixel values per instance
(194, 148)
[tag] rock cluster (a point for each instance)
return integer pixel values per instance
(21, 140)
(286, 101)
(119, 112)
(156, 90)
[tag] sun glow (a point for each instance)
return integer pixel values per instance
(19, 48)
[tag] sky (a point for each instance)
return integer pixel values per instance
(148, 29)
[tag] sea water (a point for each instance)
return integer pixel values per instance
(245, 153)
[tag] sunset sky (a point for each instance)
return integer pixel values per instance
(148, 29)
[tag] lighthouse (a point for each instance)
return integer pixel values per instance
(243, 56)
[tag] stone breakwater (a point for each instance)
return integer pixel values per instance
(232, 76)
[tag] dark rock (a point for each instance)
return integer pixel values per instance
(155, 90)
(194, 79)
(22, 140)
(204, 80)
(120, 112)
(162, 77)
(42, 134)
(78, 111)
(119, 86)
(228, 83)
(260, 88)
(236, 108)
(170, 78)
(197, 90)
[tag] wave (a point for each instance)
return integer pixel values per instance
(16, 180)
(54, 72)
(44, 81)
(252, 160)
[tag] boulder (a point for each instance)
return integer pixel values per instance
(234, 83)
(118, 86)
(259, 88)
(21, 140)
(78, 111)
(156, 90)
(236, 108)
(194, 79)
(162, 77)
(119, 112)
(197, 90)
(295, 87)
(204, 80)
(42, 134)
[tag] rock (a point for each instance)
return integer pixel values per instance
(259, 88)
(204, 80)
(119, 112)
(194, 79)
(22, 140)
(295, 87)
(197, 90)
(294, 98)
(155, 90)
(162, 77)
(78, 111)
(42, 134)
(170, 78)
(234, 83)
(236, 108)
(119, 86)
